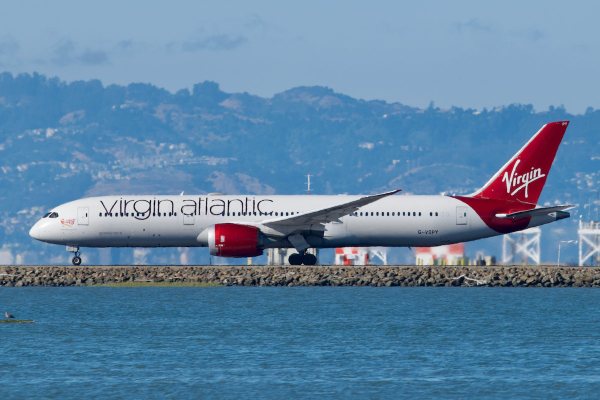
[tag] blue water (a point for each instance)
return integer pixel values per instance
(275, 343)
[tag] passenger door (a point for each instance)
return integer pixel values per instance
(83, 216)
(188, 219)
(461, 215)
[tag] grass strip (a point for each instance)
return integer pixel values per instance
(16, 321)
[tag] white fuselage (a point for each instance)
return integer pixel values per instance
(178, 221)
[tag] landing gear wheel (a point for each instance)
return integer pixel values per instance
(309, 259)
(76, 260)
(295, 259)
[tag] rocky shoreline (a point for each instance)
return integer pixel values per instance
(497, 276)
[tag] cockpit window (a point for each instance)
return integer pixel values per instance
(53, 215)
(46, 215)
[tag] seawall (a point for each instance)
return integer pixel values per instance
(498, 276)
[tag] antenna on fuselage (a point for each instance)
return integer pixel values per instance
(308, 183)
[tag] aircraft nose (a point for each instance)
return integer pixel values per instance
(35, 231)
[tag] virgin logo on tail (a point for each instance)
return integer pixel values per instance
(515, 182)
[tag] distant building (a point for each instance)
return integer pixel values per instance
(351, 256)
(360, 255)
(453, 254)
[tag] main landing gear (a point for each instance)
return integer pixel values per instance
(76, 255)
(302, 258)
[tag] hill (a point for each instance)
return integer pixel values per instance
(60, 141)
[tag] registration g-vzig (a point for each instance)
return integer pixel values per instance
(244, 226)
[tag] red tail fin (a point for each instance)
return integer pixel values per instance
(524, 176)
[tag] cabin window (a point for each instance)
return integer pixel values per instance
(436, 214)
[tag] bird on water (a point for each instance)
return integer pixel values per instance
(8, 315)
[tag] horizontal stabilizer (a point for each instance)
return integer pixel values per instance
(535, 211)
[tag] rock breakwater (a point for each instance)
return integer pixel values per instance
(500, 276)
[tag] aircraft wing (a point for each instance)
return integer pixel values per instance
(324, 215)
(534, 211)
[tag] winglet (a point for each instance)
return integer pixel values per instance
(384, 194)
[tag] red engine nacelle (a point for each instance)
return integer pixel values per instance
(232, 240)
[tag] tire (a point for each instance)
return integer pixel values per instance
(295, 259)
(309, 259)
(76, 260)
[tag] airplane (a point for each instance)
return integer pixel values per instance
(246, 225)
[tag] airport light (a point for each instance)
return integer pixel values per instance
(559, 243)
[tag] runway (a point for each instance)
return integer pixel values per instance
(496, 276)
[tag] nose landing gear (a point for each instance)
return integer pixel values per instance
(76, 260)
(76, 255)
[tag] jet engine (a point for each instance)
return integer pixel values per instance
(232, 240)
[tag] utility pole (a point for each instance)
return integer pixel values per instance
(559, 243)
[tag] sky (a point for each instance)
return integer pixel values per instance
(472, 54)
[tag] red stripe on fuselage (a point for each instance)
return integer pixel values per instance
(487, 209)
